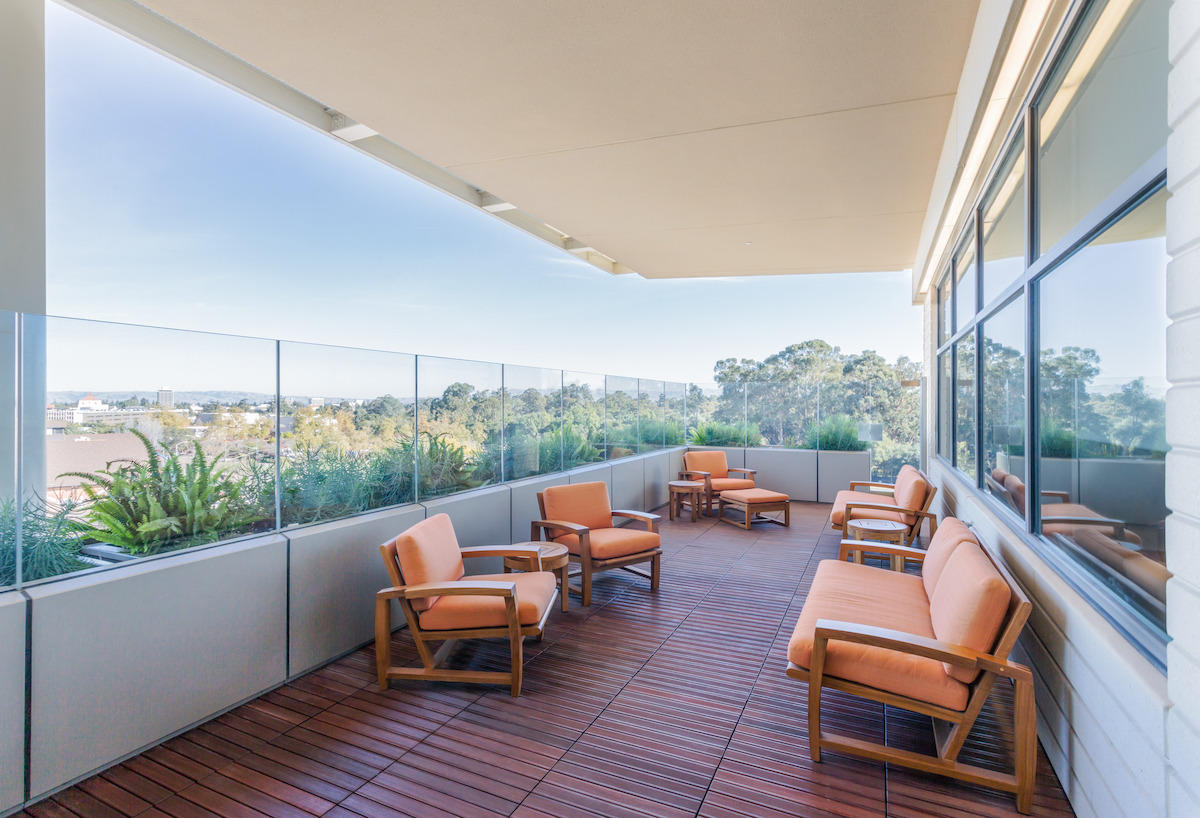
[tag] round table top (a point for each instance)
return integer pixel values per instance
(877, 525)
(549, 551)
(685, 484)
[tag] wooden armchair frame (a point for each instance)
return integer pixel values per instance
(950, 727)
(587, 563)
(706, 478)
(431, 660)
(921, 514)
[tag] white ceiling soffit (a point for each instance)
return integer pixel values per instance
(666, 135)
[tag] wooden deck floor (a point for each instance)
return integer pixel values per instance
(667, 704)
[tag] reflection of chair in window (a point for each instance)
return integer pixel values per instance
(907, 501)
(713, 469)
(1143, 572)
(440, 604)
(1059, 514)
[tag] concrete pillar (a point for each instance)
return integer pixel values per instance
(1183, 411)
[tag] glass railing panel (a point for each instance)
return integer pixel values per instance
(701, 404)
(153, 440)
(459, 422)
(8, 452)
(721, 420)
(894, 427)
(533, 421)
(347, 418)
(676, 413)
(652, 415)
(780, 414)
(583, 419)
(621, 410)
(847, 423)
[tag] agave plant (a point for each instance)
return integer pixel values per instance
(837, 433)
(144, 507)
(445, 466)
(50, 541)
(714, 433)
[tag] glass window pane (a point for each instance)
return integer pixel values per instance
(458, 425)
(164, 441)
(1004, 405)
(1102, 410)
(964, 404)
(347, 417)
(965, 281)
(676, 414)
(945, 306)
(1103, 113)
(651, 415)
(1004, 225)
(583, 419)
(945, 406)
(533, 441)
(621, 416)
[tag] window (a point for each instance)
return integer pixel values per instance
(1102, 409)
(965, 281)
(1085, 275)
(964, 404)
(1103, 113)
(1004, 225)
(1004, 405)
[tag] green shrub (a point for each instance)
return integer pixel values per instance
(715, 433)
(50, 542)
(837, 433)
(661, 433)
(144, 507)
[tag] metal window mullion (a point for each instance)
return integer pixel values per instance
(416, 428)
(19, 453)
(278, 439)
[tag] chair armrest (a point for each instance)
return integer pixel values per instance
(462, 587)
(702, 474)
(878, 507)
(651, 520)
(882, 549)
(855, 484)
(833, 630)
(533, 553)
(570, 528)
(1105, 521)
(1061, 496)
(746, 471)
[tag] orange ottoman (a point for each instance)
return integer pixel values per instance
(753, 503)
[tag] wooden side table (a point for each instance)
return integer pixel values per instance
(888, 531)
(680, 489)
(555, 559)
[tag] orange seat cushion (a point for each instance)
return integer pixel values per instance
(581, 503)
(1016, 490)
(428, 552)
(720, 484)
(871, 596)
(712, 462)
(950, 534)
(535, 590)
(837, 516)
(969, 604)
(609, 543)
(752, 496)
(910, 491)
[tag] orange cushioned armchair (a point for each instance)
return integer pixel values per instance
(713, 469)
(441, 604)
(580, 517)
(907, 501)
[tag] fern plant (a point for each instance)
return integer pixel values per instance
(145, 507)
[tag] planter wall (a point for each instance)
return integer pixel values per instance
(12, 694)
(792, 471)
(835, 470)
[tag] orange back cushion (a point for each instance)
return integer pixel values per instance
(1016, 490)
(712, 462)
(581, 503)
(969, 605)
(950, 534)
(428, 552)
(910, 488)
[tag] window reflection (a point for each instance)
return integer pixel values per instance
(964, 404)
(966, 279)
(1004, 405)
(945, 407)
(1004, 225)
(1102, 408)
(945, 317)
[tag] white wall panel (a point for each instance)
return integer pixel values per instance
(480, 517)
(792, 471)
(123, 658)
(657, 474)
(525, 505)
(12, 700)
(335, 571)
(628, 490)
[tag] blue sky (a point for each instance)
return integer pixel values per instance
(174, 201)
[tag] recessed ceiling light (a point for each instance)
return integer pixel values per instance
(748, 243)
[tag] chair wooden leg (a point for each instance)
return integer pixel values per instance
(585, 584)
(655, 569)
(515, 642)
(815, 674)
(1025, 716)
(383, 641)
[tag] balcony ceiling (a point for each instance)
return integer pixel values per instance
(665, 134)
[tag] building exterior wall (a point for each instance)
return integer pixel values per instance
(1183, 411)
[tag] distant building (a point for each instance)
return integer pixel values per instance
(166, 398)
(316, 403)
(91, 404)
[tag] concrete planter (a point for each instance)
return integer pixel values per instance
(835, 470)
